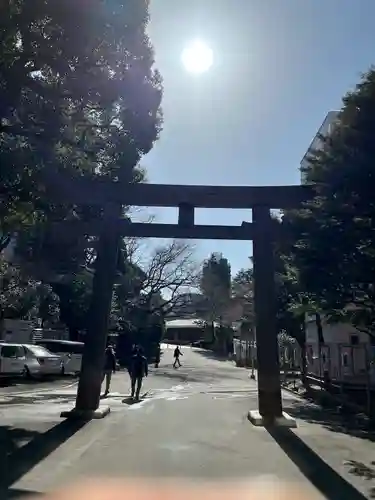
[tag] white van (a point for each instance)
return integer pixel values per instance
(12, 360)
(69, 351)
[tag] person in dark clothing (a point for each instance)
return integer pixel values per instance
(157, 357)
(177, 354)
(109, 367)
(138, 370)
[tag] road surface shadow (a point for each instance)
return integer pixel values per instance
(36, 382)
(39, 398)
(364, 471)
(19, 460)
(206, 353)
(319, 473)
(131, 401)
(332, 420)
(182, 375)
(16, 493)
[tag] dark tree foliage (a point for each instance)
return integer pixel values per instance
(334, 247)
(78, 94)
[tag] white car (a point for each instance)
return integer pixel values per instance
(12, 360)
(40, 362)
(69, 351)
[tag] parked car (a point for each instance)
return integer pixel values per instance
(41, 362)
(69, 351)
(12, 360)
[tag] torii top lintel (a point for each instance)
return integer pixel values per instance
(101, 191)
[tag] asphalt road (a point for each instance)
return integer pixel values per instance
(191, 423)
(20, 385)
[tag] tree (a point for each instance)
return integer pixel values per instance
(74, 302)
(243, 294)
(147, 287)
(156, 283)
(48, 304)
(291, 307)
(215, 285)
(151, 286)
(335, 246)
(78, 94)
(22, 297)
(18, 295)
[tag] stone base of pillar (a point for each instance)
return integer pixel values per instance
(76, 414)
(259, 421)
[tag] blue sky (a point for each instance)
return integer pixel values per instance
(280, 66)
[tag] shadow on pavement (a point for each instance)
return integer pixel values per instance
(16, 493)
(196, 375)
(319, 473)
(19, 460)
(31, 399)
(132, 401)
(206, 353)
(36, 382)
(333, 421)
(129, 401)
(177, 375)
(366, 472)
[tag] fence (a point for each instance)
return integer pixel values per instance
(342, 363)
(339, 362)
(244, 354)
(348, 371)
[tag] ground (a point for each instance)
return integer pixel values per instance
(192, 422)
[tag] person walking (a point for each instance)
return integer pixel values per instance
(137, 370)
(109, 368)
(157, 357)
(177, 353)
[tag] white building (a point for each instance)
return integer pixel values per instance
(347, 354)
(324, 130)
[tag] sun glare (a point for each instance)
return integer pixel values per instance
(197, 57)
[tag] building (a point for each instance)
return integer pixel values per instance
(324, 130)
(347, 354)
(186, 331)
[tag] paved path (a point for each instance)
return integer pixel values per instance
(192, 423)
(19, 385)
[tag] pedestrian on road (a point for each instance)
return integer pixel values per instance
(157, 357)
(138, 370)
(109, 367)
(177, 354)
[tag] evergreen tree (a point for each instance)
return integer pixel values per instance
(243, 294)
(215, 287)
(78, 93)
(334, 249)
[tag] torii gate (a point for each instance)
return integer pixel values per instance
(114, 195)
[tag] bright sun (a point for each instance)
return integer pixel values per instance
(197, 57)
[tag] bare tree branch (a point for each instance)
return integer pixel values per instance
(168, 272)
